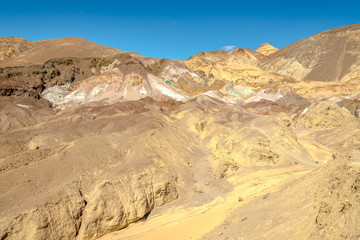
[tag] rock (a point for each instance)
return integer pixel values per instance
(266, 49)
(325, 114)
(322, 57)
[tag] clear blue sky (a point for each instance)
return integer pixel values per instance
(175, 29)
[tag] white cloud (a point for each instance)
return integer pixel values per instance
(228, 48)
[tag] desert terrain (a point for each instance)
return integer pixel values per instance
(99, 143)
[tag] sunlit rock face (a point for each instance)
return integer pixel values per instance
(330, 56)
(266, 49)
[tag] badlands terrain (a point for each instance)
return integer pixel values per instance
(99, 143)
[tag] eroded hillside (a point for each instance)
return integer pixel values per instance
(97, 143)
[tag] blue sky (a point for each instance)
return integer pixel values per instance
(176, 29)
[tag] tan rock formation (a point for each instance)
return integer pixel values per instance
(320, 205)
(329, 56)
(88, 185)
(325, 114)
(19, 52)
(266, 49)
(239, 67)
(13, 46)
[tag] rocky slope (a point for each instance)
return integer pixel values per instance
(29, 67)
(13, 46)
(92, 179)
(243, 71)
(326, 206)
(16, 51)
(331, 56)
(238, 67)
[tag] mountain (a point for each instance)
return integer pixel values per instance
(29, 67)
(125, 78)
(242, 72)
(266, 49)
(237, 67)
(16, 51)
(331, 56)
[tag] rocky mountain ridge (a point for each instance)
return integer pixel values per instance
(330, 56)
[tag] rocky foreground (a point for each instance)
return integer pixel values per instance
(100, 143)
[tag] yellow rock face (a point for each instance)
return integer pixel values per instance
(326, 114)
(327, 56)
(266, 49)
(238, 67)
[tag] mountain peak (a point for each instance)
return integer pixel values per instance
(266, 49)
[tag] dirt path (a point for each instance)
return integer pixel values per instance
(192, 223)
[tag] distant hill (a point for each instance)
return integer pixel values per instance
(266, 49)
(332, 56)
(16, 51)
